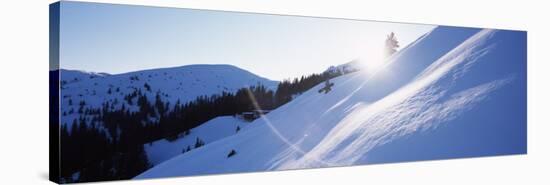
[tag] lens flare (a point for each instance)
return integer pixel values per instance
(276, 131)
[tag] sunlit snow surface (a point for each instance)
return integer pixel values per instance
(456, 92)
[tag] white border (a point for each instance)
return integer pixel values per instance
(24, 84)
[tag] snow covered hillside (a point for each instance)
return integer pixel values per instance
(92, 90)
(213, 130)
(455, 92)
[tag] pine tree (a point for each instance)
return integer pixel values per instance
(199, 143)
(147, 87)
(391, 44)
(231, 153)
(159, 105)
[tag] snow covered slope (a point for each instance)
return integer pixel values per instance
(179, 83)
(455, 92)
(212, 130)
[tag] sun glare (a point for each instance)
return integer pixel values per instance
(373, 63)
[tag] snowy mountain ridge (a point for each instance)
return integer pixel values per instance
(72, 76)
(181, 84)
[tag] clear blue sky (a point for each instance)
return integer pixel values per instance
(121, 38)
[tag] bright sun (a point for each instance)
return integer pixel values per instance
(373, 63)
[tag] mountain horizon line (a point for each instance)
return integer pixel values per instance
(100, 73)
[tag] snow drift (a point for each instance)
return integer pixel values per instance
(455, 92)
